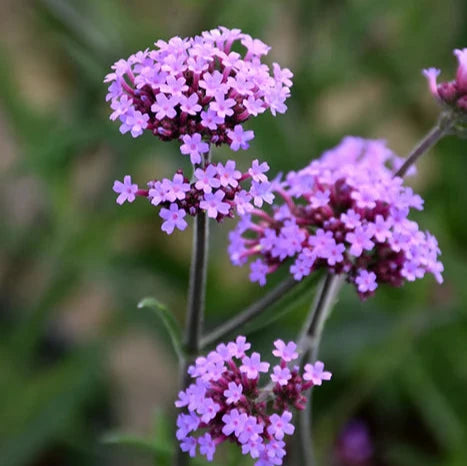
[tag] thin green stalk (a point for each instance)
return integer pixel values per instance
(197, 285)
(250, 312)
(309, 345)
(441, 129)
(195, 305)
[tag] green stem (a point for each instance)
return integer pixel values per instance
(308, 344)
(195, 305)
(197, 286)
(441, 129)
(250, 312)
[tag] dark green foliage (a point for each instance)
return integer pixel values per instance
(399, 360)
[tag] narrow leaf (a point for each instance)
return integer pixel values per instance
(169, 321)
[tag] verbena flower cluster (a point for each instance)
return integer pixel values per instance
(226, 403)
(344, 212)
(217, 189)
(451, 93)
(197, 90)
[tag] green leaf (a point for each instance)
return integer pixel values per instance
(169, 321)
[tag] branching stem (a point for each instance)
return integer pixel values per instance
(250, 312)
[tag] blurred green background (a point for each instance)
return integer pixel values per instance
(78, 360)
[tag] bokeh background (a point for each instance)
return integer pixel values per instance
(79, 361)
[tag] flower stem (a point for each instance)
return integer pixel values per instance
(195, 305)
(197, 285)
(309, 342)
(250, 312)
(441, 129)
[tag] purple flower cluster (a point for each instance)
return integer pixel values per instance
(225, 402)
(451, 93)
(344, 212)
(217, 189)
(197, 90)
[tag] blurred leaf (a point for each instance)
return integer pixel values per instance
(168, 320)
(140, 443)
(408, 455)
(434, 406)
(35, 412)
(78, 25)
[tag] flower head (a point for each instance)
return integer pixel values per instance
(345, 212)
(228, 404)
(197, 86)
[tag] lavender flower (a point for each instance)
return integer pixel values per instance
(213, 204)
(344, 212)
(316, 373)
(194, 147)
(233, 393)
(126, 190)
(239, 138)
(251, 367)
(174, 218)
(226, 403)
(197, 86)
(287, 352)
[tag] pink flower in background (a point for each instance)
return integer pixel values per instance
(354, 445)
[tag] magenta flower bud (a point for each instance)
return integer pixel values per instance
(447, 92)
(461, 75)
(451, 93)
(431, 74)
